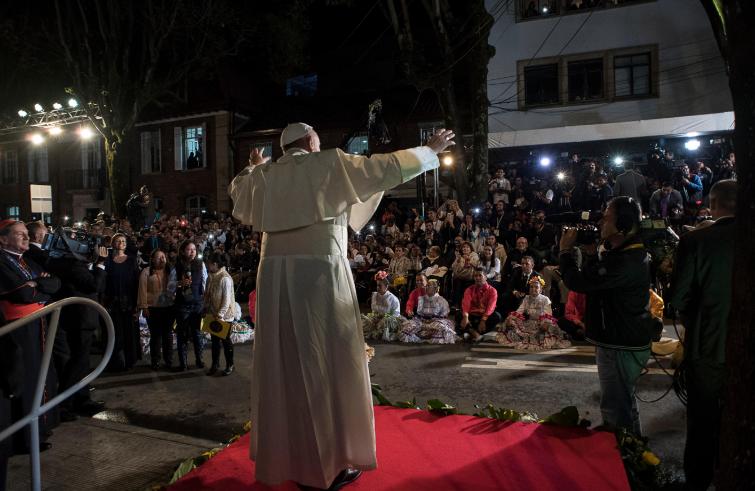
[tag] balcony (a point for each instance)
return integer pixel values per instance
(84, 179)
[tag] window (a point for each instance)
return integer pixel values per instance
(195, 205)
(631, 75)
(536, 8)
(541, 85)
(38, 169)
(266, 147)
(13, 213)
(150, 151)
(585, 80)
(303, 85)
(189, 147)
(358, 144)
(8, 167)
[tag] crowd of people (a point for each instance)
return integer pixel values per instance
(487, 271)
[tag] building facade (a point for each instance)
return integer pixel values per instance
(573, 71)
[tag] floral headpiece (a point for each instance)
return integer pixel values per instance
(381, 275)
(537, 279)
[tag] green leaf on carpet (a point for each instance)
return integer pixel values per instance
(568, 416)
(438, 406)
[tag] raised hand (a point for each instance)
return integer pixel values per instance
(441, 140)
(256, 156)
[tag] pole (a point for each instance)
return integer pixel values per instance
(435, 188)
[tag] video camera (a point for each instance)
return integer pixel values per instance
(586, 223)
(67, 241)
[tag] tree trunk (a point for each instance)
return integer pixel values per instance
(480, 58)
(447, 98)
(738, 421)
(117, 177)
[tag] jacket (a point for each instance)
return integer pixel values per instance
(618, 295)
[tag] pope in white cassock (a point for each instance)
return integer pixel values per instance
(311, 412)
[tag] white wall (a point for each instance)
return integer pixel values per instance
(688, 84)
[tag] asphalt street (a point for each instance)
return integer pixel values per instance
(215, 408)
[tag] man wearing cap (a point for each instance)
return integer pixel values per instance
(312, 419)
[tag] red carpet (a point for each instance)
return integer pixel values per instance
(418, 451)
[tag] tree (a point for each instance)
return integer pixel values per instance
(444, 48)
(731, 22)
(122, 57)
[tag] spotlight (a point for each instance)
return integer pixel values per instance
(37, 139)
(545, 10)
(545, 161)
(618, 161)
(692, 145)
(56, 130)
(560, 176)
(86, 133)
(57, 105)
(72, 103)
(476, 211)
(692, 134)
(448, 160)
(22, 113)
(38, 107)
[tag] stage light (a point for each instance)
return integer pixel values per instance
(618, 161)
(72, 103)
(57, 105)
(545, 161)
(86, 133)
(22, 113)
(692, 145)
(56, 130)
(560, 176)
(38, 107)
(37, 139)
(448, 160)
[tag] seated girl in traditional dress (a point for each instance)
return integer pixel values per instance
(431, 323)
(384, 320)
(532, 326)
(420, 282)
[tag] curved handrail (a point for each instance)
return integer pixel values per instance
(38, 409)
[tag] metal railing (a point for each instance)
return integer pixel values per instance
(32, 419)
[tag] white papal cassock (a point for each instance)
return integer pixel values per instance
(311, 398)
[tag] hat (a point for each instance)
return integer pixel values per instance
(8, 223)
(293, 132)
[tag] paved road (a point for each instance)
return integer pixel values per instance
(214, 408)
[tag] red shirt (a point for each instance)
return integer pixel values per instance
(575, 306)
(411, 304)
(479, 300)
(253, 305)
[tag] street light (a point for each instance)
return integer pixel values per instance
(86, 133)
(72, 103)
(57, 105)
(692, 145)
(22, 113)
(448, 160)
(38, 107)
(37, 139)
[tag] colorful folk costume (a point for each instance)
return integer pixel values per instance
(431, 323)
(384, 320)
(532, 326)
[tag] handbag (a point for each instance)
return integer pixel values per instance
(215, 326)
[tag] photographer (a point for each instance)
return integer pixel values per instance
(617, 320)
(79, 278)
(190, 278)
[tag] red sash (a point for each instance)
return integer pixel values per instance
(13, 311)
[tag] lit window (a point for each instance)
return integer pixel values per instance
(14, 213)
(194, 147)
(358, 144)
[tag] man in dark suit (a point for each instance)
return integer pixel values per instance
(37, 232)
(518, 284)
(701, 292)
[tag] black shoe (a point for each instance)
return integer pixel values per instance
(347, 476)
(155, 366)
(200, 364)
(89, 407)
(212, 371)
(228, 370)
